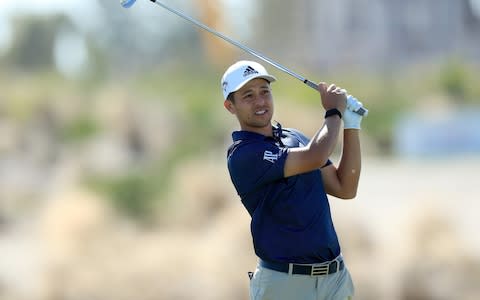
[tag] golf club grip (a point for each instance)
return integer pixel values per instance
(311, 84)
(361, 111)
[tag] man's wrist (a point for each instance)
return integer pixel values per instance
(333, 112)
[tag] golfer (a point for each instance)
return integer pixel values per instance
(283, 179)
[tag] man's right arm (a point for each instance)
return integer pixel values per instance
(316, 153)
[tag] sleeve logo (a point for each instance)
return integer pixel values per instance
(269, 156)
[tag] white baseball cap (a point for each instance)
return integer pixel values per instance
(241, 72)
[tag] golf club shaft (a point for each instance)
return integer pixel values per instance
(361, 111)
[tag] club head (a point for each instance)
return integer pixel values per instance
(127, 3)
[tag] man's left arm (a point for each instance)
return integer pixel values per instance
(342, 181)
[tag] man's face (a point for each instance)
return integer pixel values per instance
(253, 105)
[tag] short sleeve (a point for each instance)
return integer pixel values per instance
(305, 140)
(256, 164)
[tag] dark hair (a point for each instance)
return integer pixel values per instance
(231, 98)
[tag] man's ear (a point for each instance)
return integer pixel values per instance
(229, 106)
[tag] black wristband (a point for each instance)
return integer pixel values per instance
(332, 112)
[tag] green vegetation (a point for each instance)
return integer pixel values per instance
(79, 129)
(459, 80)
(132, 195)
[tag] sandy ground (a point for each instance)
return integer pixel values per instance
(409, 234)
(412, 214)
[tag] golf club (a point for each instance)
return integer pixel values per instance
(128, 3)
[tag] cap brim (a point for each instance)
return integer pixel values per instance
(268, 78)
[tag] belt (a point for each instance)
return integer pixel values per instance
(304, 269)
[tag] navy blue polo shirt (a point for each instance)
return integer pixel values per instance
(291, 220)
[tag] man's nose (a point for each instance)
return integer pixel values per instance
(259, 99)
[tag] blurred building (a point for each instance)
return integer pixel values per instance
(374, 33)
(453, 132)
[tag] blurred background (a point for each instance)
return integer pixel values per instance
(113, 138)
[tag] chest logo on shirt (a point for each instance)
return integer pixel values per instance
(269, 156)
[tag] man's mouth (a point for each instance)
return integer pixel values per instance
(261, 112)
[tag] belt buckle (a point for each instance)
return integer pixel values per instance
(319, 270)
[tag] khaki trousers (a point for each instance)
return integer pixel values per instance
(268, 284)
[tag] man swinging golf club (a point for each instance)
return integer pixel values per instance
(283, 179)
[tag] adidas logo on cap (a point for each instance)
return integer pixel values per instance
(241, 72)
(249, 71)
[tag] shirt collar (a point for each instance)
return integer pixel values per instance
(249, 135)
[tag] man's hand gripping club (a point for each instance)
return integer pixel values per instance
(332, 97)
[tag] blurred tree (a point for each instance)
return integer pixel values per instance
(144, 37)
(217, 51)
(453, 80)
(32, 47)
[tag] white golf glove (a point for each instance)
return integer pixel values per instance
(352, 120)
